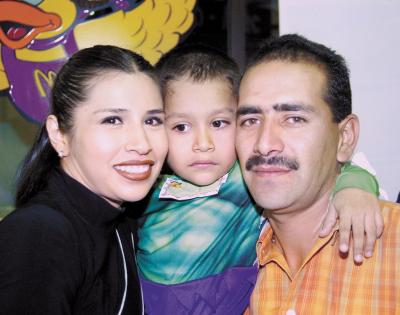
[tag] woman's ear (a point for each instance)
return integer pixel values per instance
(349, 129)
(57, 138)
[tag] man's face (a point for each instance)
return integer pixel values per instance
(286, 138)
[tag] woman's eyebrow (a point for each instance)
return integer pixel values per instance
(110, 110)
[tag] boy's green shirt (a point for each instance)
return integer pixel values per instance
(353, 176)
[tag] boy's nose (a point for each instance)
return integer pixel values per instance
(203, 142)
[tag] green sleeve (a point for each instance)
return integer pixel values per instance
(353, 176)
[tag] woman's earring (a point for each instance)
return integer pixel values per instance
(61, 154)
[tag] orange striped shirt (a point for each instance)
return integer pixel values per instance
(327, 283)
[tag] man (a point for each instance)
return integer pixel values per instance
(295, 129)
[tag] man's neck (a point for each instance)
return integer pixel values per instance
(296, 232)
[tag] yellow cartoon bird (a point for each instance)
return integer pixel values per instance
(38, 36)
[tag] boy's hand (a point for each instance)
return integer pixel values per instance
(359, 214)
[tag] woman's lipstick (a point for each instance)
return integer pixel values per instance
(135, 170)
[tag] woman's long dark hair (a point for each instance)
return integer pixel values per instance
(69, 91)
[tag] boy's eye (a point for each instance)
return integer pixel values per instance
(219, 123)
(112, 120)
(181, 127)
(154, 121)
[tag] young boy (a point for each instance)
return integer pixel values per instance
(197, 236)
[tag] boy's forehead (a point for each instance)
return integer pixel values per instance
(206, 111)
(209, 96)
(212, 85)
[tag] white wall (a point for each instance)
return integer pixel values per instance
(367, 34)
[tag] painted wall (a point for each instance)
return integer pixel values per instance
(366, 33)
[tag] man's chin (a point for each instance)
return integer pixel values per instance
(270, 198)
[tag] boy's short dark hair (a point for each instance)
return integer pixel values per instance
(199, 63)
(295, 48)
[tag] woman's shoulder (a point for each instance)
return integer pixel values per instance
(38, 242)
(36, 219)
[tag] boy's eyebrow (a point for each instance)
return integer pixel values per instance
(155, 112)
(177, 115)
(226, 109)
(216, 112)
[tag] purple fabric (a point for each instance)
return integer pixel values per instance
(225, 293)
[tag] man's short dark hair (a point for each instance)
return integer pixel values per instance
(295, 48)
(199, 63)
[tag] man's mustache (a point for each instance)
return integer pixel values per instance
(256, 160)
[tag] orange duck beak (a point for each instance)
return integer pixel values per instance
(20, 23)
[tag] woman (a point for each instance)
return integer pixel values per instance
(68, 248)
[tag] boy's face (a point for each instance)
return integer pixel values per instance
(201, 123)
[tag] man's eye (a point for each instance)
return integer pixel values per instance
(219, 123)
(249, 122)
(181, 127)
(296, 120)
(112, 120)
(154, 121)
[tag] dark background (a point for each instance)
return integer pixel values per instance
(234, 26)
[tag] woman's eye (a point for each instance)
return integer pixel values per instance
(181, 128)
(154, 121)
(220, 123)
(112, 120)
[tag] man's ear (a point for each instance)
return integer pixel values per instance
(349, 129)
(57, 138)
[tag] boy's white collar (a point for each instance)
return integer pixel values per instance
(179, 189)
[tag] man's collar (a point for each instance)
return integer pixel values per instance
(268, 251)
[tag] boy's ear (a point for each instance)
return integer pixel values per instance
(349, 129)
(57, 138)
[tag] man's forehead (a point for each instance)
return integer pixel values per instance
(278, 69)
(279, 84)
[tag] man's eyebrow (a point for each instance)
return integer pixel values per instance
(287, 107)
(247, 110)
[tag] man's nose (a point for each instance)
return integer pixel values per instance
(269, 139)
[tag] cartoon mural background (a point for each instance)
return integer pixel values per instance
(36, 38)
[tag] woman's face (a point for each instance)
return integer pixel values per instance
(118, 143)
